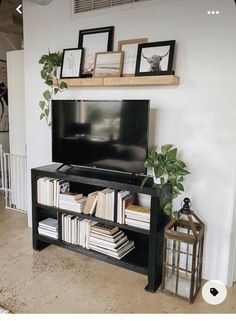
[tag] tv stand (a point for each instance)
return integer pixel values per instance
(146, 258)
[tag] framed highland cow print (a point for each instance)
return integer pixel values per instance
(155, 58)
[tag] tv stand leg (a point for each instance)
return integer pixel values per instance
(156, 241)
(39, 245)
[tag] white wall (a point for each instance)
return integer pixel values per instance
(198, 117)
(16, 99)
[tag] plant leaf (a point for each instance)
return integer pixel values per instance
(42, 115)
(171, 155)
(46, 111)
(180, 187)
(42, 104)
(63, 85)
(47, 95)
(166, 148)
(49, 82)
(56, 91)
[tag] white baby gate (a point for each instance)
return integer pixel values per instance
(13, 180)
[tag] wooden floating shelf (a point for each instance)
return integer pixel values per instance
(166, 80)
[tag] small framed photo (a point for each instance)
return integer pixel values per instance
(71, 63)
(155, 58)
(130, 49)
(108, 64)
(93, 41)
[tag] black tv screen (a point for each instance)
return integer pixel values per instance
(109, 135)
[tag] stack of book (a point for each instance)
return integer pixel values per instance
(138, 216)
(48, 227)
(124, 199)
(76, 230)
(109, 240)
(48, 190)
(105, 204)
(72, 202)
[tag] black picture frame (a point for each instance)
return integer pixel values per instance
(76, 59)
(89, 53)
(153, 67)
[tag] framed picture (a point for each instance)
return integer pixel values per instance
(71, 63)
(108, 64)
(155, 58)
(130, 49)
(4, 122)
(93, 41)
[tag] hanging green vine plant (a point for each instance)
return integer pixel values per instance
(49, 74)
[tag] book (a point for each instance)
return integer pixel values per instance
(68, 196)
(118, 255)
(106, 244)
(120, 196)
(126, 201)
(105, 228)
(47, 233)
(110, 238)
(89, 202)
(136, 223)
(101, 203)
(137, 209)
(144, 217)
(49, 222)
(93, 205)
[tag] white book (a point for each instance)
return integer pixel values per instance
(73, 230)
(82, 231)
(55, 192)
(112, 203)
(128, 248)
(51, 222)
(63, 227)
(79, 230)
(39, 192)
(47, 233)
(120, 197)
(106, 244)
(43, 190)
(138, 217)
(136, 223)
(93, 206)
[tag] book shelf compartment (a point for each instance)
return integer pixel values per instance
(54, 210)
(145, 258)
(132, 261)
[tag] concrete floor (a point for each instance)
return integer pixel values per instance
(56, 280)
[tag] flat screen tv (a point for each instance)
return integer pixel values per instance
(111, 135)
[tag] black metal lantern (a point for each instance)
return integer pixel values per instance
(183, 253)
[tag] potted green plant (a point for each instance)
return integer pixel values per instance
(49, 73)
(168, 173)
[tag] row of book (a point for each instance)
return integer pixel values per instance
(76, 230)
(55, 192)
(88, 234)
(49, 189)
